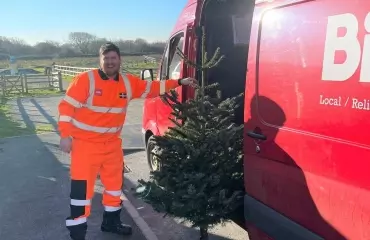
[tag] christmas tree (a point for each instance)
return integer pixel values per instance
(201, 174)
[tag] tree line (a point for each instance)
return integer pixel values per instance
(79, 44)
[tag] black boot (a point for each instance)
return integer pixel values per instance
(78, 232)
(112, 223)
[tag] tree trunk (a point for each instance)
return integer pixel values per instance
(203, 233)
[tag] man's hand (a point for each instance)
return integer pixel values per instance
(189, 82)
(66, 144)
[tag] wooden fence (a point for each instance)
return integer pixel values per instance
(134, 69)
(69, 71)
(27, 83)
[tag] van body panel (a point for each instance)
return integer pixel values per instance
(149, 121)
(275, 225)
(187, 16)
(307, 93)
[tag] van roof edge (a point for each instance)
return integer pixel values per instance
(263, 1)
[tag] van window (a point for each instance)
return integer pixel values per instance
(175, 65)
(290, 69)
(171, 65)
(164, 65)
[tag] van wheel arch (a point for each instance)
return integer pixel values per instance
(148, 134)
(153, 162)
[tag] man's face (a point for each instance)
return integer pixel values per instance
(110, 62)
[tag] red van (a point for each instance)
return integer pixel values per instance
(304, 66)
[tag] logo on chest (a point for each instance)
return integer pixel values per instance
(122, 95)
(98, 92)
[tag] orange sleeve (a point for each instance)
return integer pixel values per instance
(150, 89)
(76, 96)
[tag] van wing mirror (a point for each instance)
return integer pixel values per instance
(147, 74)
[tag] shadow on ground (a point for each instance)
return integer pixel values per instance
(9, 127)
(165, 228)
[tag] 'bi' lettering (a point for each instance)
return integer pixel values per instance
(349, 43)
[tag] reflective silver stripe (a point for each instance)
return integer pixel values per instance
(76, 202)
(162, 87)
(87, 127)
(77, 104)
(127, 86)
(114, 193)
(73, 101)
(74, 222)
(64, 118)
(107, 109)
(111, 209)
(89, 100)
(147, 89)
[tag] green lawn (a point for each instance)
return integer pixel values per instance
(67, 78)
(39, 69)
(9, 127)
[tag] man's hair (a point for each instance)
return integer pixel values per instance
(108, 47)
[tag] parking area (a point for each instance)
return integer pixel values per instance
(35, 189)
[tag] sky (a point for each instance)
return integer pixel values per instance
(40, 20)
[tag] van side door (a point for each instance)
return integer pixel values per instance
(171, 68)
(305, 80)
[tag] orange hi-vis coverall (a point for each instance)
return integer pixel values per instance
(92, 113)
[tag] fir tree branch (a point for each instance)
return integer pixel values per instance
(213, 59)
(217, 62)
(186, 59)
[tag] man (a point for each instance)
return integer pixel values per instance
(91, 116)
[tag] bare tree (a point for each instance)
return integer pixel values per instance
(67, 50)
(126, 46)
(141, 45)
(95, 45)
(81, 41)
(47, 48)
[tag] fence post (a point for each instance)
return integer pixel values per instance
(2, 84)
(25, 83)
(60, 80)
(22, 82)
(50, 80)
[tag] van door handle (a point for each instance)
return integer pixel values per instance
(258, 136)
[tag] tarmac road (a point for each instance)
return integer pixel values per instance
(34, 177)
(34, 189)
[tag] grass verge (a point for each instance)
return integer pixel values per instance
(10, 127)
(67, 78)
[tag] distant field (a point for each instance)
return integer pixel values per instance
(134, 61)
(131, 64)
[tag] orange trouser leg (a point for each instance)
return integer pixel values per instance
(111, 175)
(85, 165)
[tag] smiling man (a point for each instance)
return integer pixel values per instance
(91, 116)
